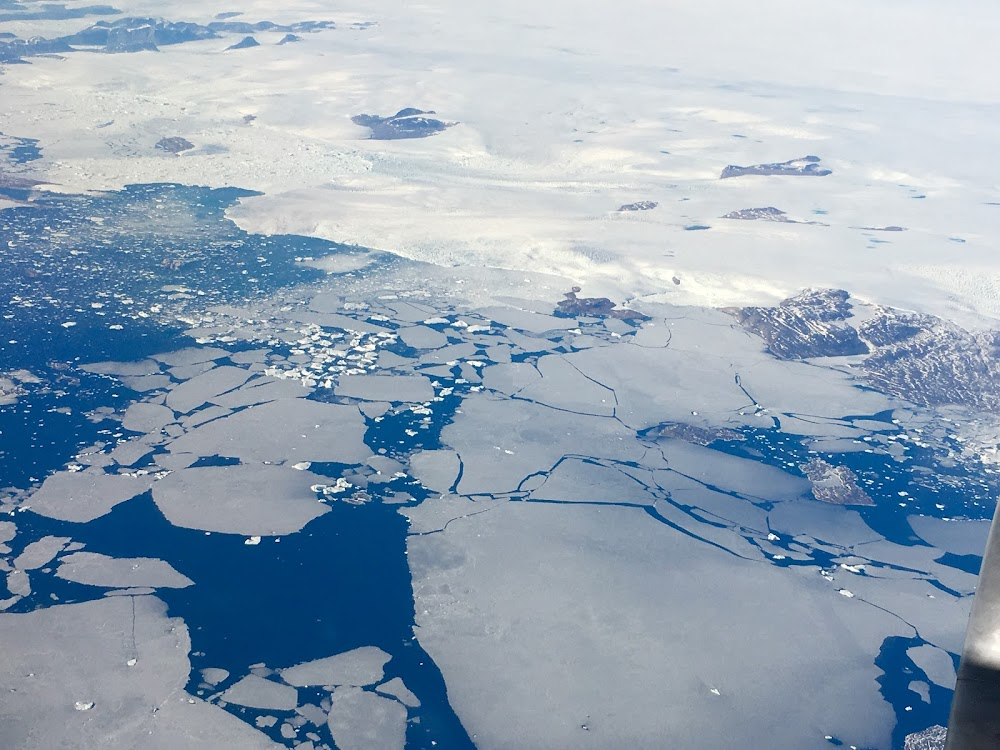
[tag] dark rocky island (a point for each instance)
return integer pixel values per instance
(136, 34)
(921, 358)
(407, 123)
(767, 213)
(811, 324)
(639, 206)
(834, 484)
(174, 144)
(931, 361)
(245, 43)
(598, 307)
(693, 434)
(14, 50)
(806, 166)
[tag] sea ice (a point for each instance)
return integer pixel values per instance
(290, 429)
(112, 572)
(250, 499)
(359, 720)
(82, 496)
(256, 692)
(196, 391)
(544, 617)
(63, 654)
(38, 553)
(398, 690)
(391, 388)
(359, 667)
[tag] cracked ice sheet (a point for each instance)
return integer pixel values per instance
(290, 429)
(437, 512)
(693, 379)
(582, 481)
(205, 387)
(248, 499)
(545, 617)
(730, 473)
(95, 569)
(79, 652)
(563, 386)
(501, 442)
(833, 524)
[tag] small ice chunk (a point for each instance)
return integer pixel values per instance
(8, 530)
(312, 713)
(83, 705)
(214, 675)
(361, 666)
(252, 540)
(256, 692)
(18, 583)
(40, 552)
(398, 690)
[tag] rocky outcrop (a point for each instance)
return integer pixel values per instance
(598, 307)
(407, 123)
(811, 324)
(807, 166)
(837, 485)
(639, 206)
(174, 144)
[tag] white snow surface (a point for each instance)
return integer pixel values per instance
(566, 111)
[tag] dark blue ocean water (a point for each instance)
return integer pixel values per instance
(341, 583)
